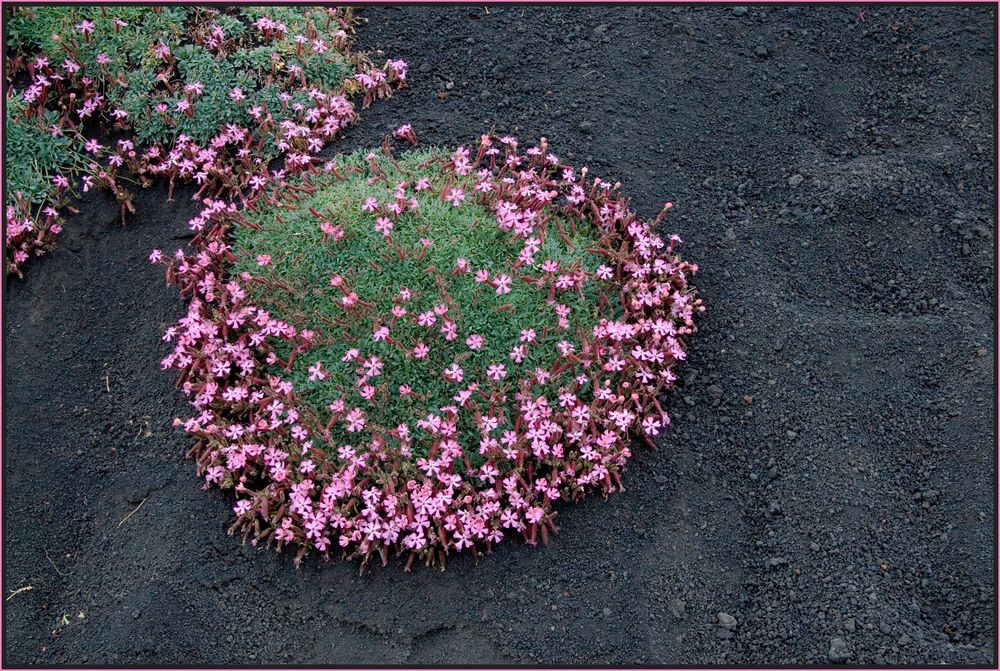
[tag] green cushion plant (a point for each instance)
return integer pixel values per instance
(423, 354)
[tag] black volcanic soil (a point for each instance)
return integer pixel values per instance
(828, 483)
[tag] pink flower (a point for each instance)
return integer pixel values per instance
(372, 367)
(454, 373)
(405, 132)
(93, 146)
(502, 284)
(263, 260)
(475, 342)
(399, 67)
(496, 372)
(651, 426)
(534, 515)
(355, 420)
(316, 372)
(155, 256)
(449, 330)
(455, 197)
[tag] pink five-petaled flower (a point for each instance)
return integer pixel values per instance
(475, 341)
(420, 351)
(355, 420)
(263, 260)
(93, 146)
(237, 95)
(454, 373)
(372, 366)
(155, 256)
(503, 284)
(651, 426)
(496, 372)
(316, 372)
(455, 197)
(383, 225)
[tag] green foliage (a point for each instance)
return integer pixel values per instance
(34, 155)
(136, 80)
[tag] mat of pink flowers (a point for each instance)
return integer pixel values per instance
(413, 491)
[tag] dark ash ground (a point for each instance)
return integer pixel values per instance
(829, 478)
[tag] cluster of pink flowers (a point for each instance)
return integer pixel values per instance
(29, 233)
(542, 434)
(231, 163)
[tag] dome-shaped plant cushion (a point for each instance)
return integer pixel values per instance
(422, 354)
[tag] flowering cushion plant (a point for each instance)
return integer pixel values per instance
(38, 162)
(209, 95)
(419, 355)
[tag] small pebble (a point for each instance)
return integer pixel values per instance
(727, 621)
(839, 651)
